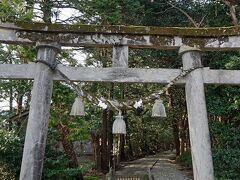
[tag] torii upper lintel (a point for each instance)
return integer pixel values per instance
(208, 39)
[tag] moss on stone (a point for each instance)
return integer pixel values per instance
(135, 30)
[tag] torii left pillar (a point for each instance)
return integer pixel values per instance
(37, 127)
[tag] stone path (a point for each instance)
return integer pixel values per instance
(163, 169)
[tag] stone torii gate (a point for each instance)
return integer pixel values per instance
(49, 38)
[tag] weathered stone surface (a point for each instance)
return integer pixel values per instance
(130, 75)
(37, 127)
(120, 56)
(197, 117)
(120, 29)
(208, 39)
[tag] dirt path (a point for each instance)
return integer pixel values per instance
(164, 167)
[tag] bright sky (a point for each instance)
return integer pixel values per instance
(63, 15)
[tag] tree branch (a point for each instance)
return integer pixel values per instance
(186, 14)
(195, 24)
(232, 9)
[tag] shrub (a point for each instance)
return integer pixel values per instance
(185, 159)
(11, 148)
(227, 163)
(90, 178)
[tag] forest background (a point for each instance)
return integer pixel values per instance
(145, 135)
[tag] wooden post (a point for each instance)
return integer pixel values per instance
(197, 116)
(37, 127)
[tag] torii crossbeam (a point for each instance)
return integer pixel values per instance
(50, 37)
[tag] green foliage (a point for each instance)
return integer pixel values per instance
(226, 154)
(61, 174)
(90, 178)
(56, 163)
(5, 172)
(79, 130)
(233, 62)
(15, 10)
(225, 135)
(56, 167)
(148, 135)
(63, 98)
(110, 11)
(11, 147)
(223, 99)
(185, 159)
(223, 103)
(227, 163)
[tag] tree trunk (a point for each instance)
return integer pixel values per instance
(104, 146)
(10, 106)
(121, 149)
(94, 146)
(232, 10)
(128, 141)
(110, 123)
(96, 150)
(19, 108)
(122, 136)
(175, 125)
(47, 10)
(110, 137)
(183, 133)
(176, 136)
(69, 149)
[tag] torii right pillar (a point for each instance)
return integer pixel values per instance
(197, 115)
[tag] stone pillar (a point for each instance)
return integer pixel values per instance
(120, 57)
(119, 60)
(197, 115)
(37, 127)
